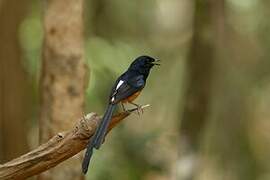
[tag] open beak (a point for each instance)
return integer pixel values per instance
(156, 62)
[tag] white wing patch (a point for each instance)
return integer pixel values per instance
(119, 84)
(117, 87)
(112, 99)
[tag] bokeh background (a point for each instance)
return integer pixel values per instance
(210, 99)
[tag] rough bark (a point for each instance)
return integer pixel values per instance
(14, 91)
(63, 78)
(59, 148)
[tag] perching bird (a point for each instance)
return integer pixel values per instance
(126, 88)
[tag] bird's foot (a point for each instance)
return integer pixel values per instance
(139, 109)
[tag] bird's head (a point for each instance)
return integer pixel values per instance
(143, 64)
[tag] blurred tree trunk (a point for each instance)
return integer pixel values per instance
(213, 130)
(95, 11)
(199, 76)
(63, 78)
(15, 89)
(225, 151)
(199, 82)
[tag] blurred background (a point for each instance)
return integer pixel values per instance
(210, 99)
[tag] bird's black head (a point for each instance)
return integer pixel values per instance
(143, 64)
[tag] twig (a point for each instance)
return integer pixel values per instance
(59, 148)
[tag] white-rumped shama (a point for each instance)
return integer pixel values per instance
(126, 88)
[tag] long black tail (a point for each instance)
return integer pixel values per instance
(97, 139)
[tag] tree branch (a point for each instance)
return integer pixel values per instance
(59, 148)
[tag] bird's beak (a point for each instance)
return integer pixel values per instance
(156, 62)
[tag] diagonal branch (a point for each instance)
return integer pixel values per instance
(59, 148)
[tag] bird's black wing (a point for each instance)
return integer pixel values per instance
(128, 87)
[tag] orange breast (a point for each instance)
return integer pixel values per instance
(132, 97)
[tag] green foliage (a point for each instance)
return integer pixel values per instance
(31, 36)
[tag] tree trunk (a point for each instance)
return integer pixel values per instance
(206, 46)
(199, 75)
(14, 91)
(216, 111)
(199, 83)
(63, 78)
(225, 150)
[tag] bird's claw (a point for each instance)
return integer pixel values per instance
(139, 110)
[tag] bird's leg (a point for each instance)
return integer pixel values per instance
(139, 107)
(123, 107)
